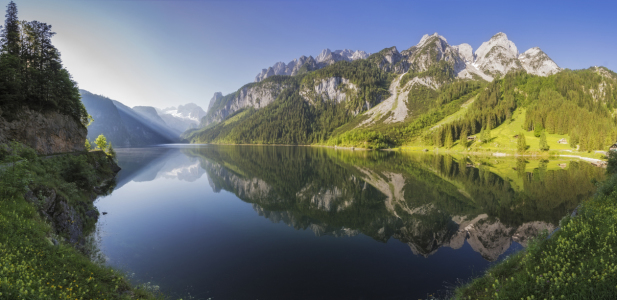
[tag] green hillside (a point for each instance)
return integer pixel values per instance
(575, 105)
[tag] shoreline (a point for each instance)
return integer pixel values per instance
(474, 153)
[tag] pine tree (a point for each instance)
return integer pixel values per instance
(537, 130)
(463, 138)
(482, 135)
(10, 62)
(10, 32)
(438, 140)
(543, 144)
(448, 143)
(521, 143)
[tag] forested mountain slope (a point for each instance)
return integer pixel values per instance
(431, 94)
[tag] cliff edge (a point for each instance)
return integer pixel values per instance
(46, 132)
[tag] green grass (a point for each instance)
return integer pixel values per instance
(503, 140)
(457, 115)
(237, 117)
(31, 266)
(577, 262)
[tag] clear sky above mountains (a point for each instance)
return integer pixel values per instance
(166, 53)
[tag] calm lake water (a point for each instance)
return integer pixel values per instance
(264, 222)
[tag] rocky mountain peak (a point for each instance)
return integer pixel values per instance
(391, 55)
(426, 38)
(325, 58)
(214, 98)
(500, 41)
(325, 53)
(497, 56)
(359, 55)
(465, 51)
(535, 61)
(432, 49)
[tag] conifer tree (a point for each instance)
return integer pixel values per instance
(482, 140)
(10, 32)
(521, 143)
(438, 140)
(10, 63)
(537, 130)
(448, 143)
(463, 138)
(543, 144)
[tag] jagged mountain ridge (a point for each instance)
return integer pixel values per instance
(304, 64)
(494, 57)
(429, 64)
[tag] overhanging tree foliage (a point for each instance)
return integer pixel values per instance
(31, 72)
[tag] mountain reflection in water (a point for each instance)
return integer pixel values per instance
(426, 201)
(274, 222)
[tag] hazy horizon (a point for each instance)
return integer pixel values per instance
(169, 53)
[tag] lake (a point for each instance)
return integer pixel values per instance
(276, 222)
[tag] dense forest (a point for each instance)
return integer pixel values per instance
(578, 103)
(31, 71)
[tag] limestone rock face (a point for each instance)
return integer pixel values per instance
(292, 68)
(431, 50)
(216, 97)
(465, 51)
(390, 60)
(328, 57)
(47, 132)
(536, 62)
(333, 88)
(296, 66)
(256, 96)
(498, 56)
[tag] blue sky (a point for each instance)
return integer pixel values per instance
(165, 53)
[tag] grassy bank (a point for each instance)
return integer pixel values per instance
(577, 262)
(503, 141)
(33, 264)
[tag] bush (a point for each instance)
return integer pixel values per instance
(577, 262)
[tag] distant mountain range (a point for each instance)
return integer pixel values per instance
(138, 126)
(305, 64)
(182, 117)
